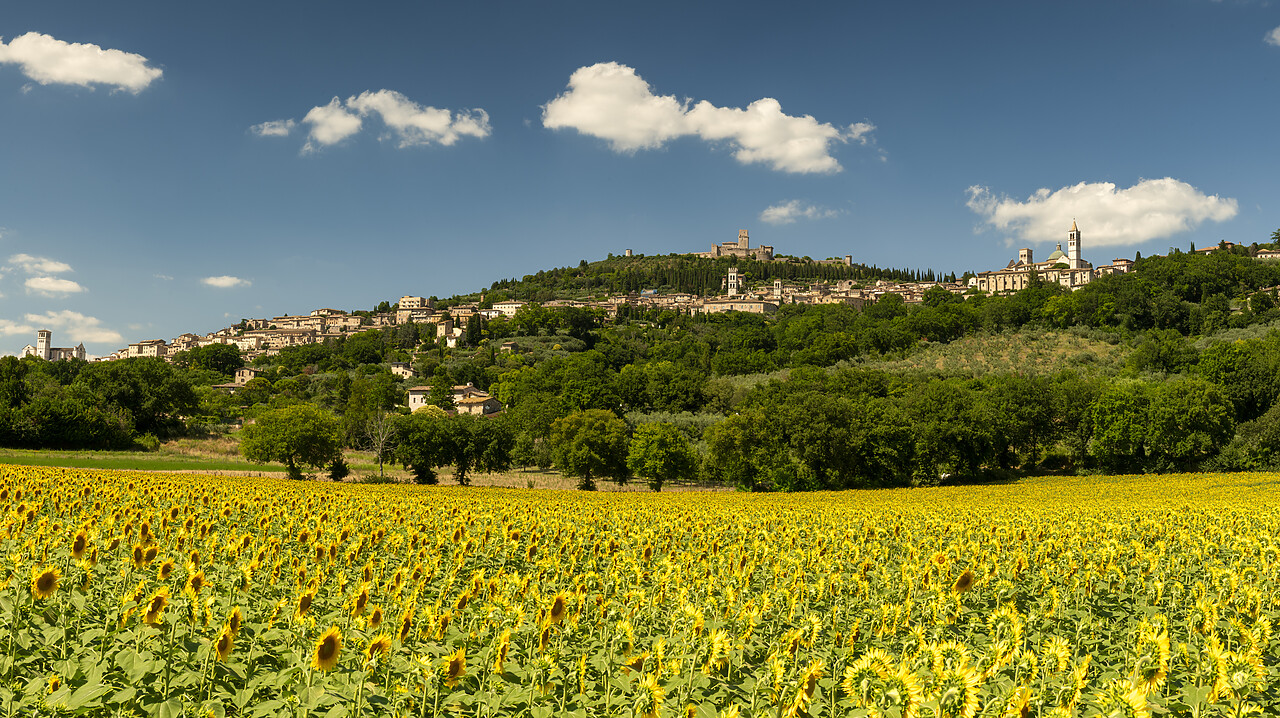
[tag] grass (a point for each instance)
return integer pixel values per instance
(131, 460)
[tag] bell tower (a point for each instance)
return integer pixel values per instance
(44, 338)
(1073, 246)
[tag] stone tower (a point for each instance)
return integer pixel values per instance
(743, 241)
(732, 284)
(44, 341)
(1073, 247)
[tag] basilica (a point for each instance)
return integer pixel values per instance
(1065, 268)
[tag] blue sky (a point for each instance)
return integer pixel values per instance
(172, 167)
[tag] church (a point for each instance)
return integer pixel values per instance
(43, 350)
(1065, 268)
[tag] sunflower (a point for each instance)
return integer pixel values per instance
(195, 582)
(139, 557)
(377, 647)
(406, 625)
(456, 667)
(156, 605)
(235, 620)
(375, 617)
(165, 570)
(964, 583)
(226, 641)
(500, 652)
(44, 582)
(79, 545)
(361, 602)
(328, 647)
(808, 686)
(304, 604)
(559, 609)
(956, 691)
(651, 696)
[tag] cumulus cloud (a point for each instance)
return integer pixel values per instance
(225, 282)
(610, 101)
(1151, 209)
(405, 121)
(79, 327)
(789, 212)
(1273, 37)
(48, 60)
(38, 265)
(52, 286)
(274, 128)
(8, 327)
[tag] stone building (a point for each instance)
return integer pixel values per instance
(740, 248)
(1064, 268)
(44, 348)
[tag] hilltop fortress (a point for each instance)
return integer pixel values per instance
(740, 248)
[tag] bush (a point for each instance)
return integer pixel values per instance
(339, 470)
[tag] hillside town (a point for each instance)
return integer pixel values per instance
(256, 337)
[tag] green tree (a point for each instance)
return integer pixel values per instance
(295, 436)
(660, 453)
(422, 443)
(441, 389)
(1188, 420)
(590, 444)
(1119, 421)
(154, 393)
(221, 358)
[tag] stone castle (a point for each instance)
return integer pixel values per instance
(740, 248)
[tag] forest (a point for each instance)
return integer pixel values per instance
(814, 397)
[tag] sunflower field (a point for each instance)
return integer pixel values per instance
(170, 595)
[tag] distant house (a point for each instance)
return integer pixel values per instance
(1267, 254)
(479, 405)
(244, 374)
(507, 346)
(403, 370)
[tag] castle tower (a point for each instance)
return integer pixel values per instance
(743, 241)
(1024, 256)
(732, 284)
(1073, 247)
(44, 341)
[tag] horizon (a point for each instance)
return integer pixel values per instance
(163, 179)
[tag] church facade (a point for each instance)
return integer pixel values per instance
(44, 349)
(1065, 268)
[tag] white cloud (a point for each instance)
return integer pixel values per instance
(415, 125)
(1273, 37)
(330, 124)
(78, 326)
(225, 282)
(1151, 209)
(52, 286)
(164, 277)
(789, 212)
(39, 265)
(407, 122)
(48, 60)
(610, 101)
(8, 327)
(274, 128)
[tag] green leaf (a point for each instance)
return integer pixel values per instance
(171, 708)
(87, 696)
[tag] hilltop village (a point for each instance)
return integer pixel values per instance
(256, 337)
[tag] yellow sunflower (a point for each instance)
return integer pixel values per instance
(44, 582)
(226, 641)
(156, 605)
(328, 647)
(456, 667)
